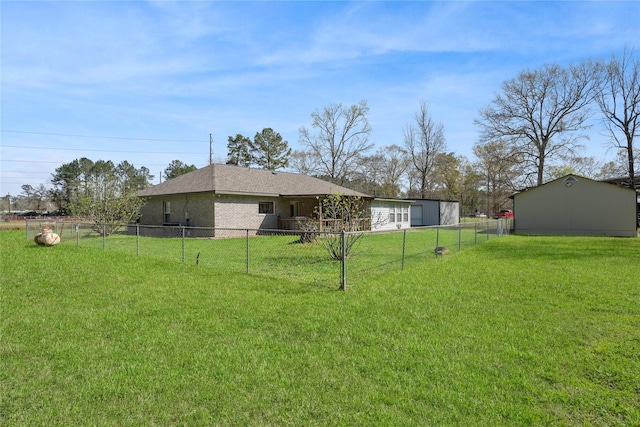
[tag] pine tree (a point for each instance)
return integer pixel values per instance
(239, 151)
(269, 151)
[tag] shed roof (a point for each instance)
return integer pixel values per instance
(624, 181)
(567, 178)
(229, 179)
(619, 182)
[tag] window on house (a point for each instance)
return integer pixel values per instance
(405, 214)
(392, 214)
(265, 207)
(166, 210)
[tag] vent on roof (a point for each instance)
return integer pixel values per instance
(570, 181)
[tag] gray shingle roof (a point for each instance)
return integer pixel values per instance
(228, 179)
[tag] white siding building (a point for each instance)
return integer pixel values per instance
(390, 214)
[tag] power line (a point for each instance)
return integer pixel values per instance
(101, 137)
(29, 172)
(57, 163)
(28, 161)
(103, 151)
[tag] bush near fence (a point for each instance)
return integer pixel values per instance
(278, 253)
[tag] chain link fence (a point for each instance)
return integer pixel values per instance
(322, 258)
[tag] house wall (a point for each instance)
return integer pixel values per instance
(151, 212)
(434, 212)
(193, 210)
(307, 206)
(586, 207)
(198, 211)
(242, 212)
(381, 211)
(449, 213)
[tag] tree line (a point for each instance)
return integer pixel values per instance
(532, 131)
(83, 184)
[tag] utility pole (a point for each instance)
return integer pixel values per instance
(213, 185)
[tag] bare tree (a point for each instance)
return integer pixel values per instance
(586, 166)
(448, 179)
(342, 137)
(470, 188)
(302, 162)
(424, 141)
(35, 196)
(381, 174)
(369, 175)
(499, 165)
(396, 163)
(540, 113)
(618, 167)
(619, 101)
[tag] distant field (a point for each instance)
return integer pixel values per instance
(518, 330)
(12, 225)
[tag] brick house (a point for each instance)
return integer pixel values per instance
(231, 197)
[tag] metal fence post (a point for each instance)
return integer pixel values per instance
(137, 239)
(404, 246)
(104, 237)
(182, 232)
(247, 248)
(459, 237)
(475, 234)
(343, 269)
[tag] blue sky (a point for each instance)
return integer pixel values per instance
(147, 82)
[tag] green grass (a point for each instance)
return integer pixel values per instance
(282, 256)
(516, 331)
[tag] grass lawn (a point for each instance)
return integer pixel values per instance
(516, 331)
(279, 254)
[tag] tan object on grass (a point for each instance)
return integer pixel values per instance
(48, 238)
(441, 250)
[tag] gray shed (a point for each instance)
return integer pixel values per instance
(426, 212)
(574, 205)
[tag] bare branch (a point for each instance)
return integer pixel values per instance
(540, 112)
(619, 102)
(343, 136)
